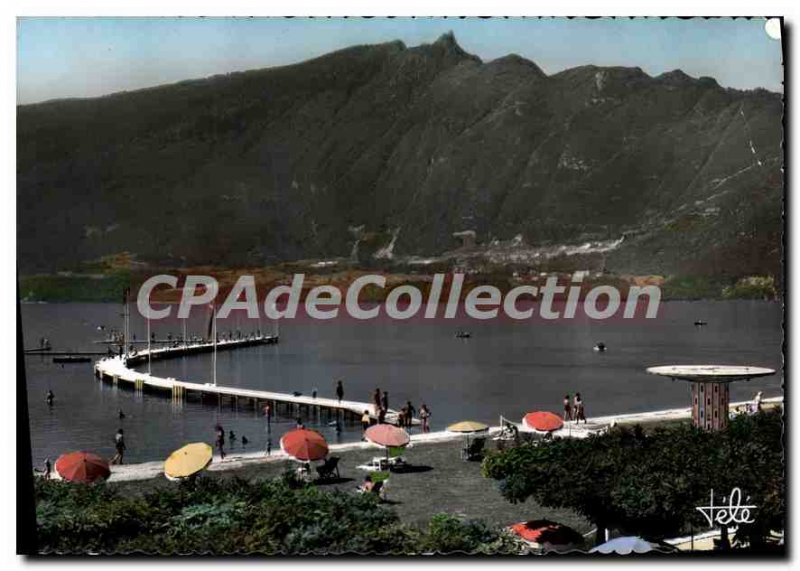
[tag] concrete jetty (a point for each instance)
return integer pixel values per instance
(119, 370)
(236, 460)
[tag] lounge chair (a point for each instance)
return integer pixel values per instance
(329, 469)
(474, 450)
(379, 463)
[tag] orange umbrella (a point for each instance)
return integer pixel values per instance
(387, 435)
(305, 445)
(82, 467)
(541, 421)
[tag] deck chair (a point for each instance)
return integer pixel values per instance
(329, 469)
(395, 454)
(474, 450)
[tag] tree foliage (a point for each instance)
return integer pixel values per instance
(650, 483)
(236, 516)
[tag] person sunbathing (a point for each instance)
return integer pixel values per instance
(367, 485)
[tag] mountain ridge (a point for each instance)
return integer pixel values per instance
(278, 163)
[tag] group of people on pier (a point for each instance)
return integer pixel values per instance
(574, 410)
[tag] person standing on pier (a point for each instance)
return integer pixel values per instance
(220, 441)
(757, 401)
(385, 401)
(119, 444)
(376, 398)
(579, 412)
(410, 412)
(339, 391)
(365, 422)
(567, 408)
(268, 413)
(424, 415)
(402, 418)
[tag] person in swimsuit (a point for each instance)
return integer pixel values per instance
(365, 421)
(579, 411)
(119, 444)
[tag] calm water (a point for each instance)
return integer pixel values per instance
(505, 368)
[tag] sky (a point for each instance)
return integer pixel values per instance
(87, 57)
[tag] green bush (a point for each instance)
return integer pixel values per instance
(752, 287)
(650, 483)
(225, 516)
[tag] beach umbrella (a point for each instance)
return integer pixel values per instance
(187, 461)
(387, 435)
(467, 427)
(304, 445)
(82, 467)
(548, 535)
(625, 546)
(542, 421)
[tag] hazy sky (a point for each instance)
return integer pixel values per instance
(80, 57)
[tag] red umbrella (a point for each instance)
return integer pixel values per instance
(547, 534)
(82, 467)
(305, 445)
(542, 421)
(387, 435)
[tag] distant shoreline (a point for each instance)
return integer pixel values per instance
(107, 286)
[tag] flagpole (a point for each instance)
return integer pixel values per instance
(149, 351)
(214, 337)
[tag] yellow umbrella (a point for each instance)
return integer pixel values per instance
(467, 426)
(188, 460)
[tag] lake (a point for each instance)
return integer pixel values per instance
(506, 368)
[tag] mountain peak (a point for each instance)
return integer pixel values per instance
(448, 45)
(675, 77)
(515, 62)
(447, 40)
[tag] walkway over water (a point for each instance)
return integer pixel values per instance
(119, 370)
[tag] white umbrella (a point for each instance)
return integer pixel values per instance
(625, 546)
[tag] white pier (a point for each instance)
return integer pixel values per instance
(118, 370)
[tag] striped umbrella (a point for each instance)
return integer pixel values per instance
(82, 467)
(542, 421)
(304, 445)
